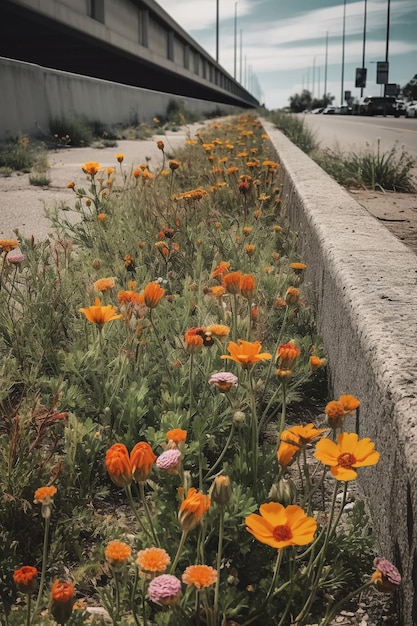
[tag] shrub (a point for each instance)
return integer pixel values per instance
(71, 131)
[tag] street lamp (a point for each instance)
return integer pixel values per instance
(235, 48)
(217, 31)
(343, 54)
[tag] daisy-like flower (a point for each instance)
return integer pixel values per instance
(152, 561)
(222, 269)
(294, 439)
(386, 577)
(25, 578)
(231, 282)
(91, 168)
(279, 527)
(223, 381)
(100, 315)
(316, 362)
(142, 459)
(118, 465)
(152, 294)
(298, 267)
(246, 353)
(117, 554)
(347, 455)
(192, 509)
(130, 298)
(120, 156)
(349, 402)
(165, 590)
(217, 291)
(199, 576)
(61, 601)
(174, 165)
(194, 339)
(104, 284)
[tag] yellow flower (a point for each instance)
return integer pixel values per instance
(348, 454)
(218, 330)
(100, 315)
(250, 249)
(7, 245)
(279, 527)
(120, 156)
(295, 439)
(246, 353)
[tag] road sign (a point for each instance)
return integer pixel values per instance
(391, 89)
(382, 73)
(360, 79)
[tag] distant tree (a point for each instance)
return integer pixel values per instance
(305, 101)
(410, 89)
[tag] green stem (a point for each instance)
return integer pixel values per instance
(134, 511)
(28, 608)
(234, 317)
(335, 608)
(117, 590)
(255, 432)
(43, 570)
(218, 564)
(160, 346)
(132, 599)
(147, 512)
(179, 550)
(272, 361)
(275, 575)
(212, 471)
(145, 622)
(283, 410)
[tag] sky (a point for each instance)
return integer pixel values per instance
(280, 45)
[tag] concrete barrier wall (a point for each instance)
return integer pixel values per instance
(364, 281)
(30, 95)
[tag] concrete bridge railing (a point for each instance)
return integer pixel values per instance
(364, 281)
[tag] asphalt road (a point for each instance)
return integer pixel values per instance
(355, 133)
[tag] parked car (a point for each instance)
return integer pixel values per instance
(401, 107)
(411, 110)
(329, 111)
(378, 105)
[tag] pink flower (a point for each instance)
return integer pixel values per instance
(169, 459)
(386, 577)
(15, 257)
(223, 380)
(164, 589)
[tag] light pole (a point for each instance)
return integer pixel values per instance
(240, 62)
(217, 31)
(325, 66)
(235, 51)
(364, 39)
(343, 54)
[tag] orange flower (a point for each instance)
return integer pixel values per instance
(295, 439)
(61, 601)
(194, 339)
(246, 353)
(298, 267)
(192, 509)
(142, 458)
(335, 414)
(100, 315)
(292, 296)
(221, 269)
(348, 454)
(247, 286)
(117, 554)
(70, 185)
(152, 561)
(120, 156)
(350, 403)
(132, 298)
(279, 527)
(44, 495)
(218, 291)
(174, 165)
(287, 354)
(102, 218)
(160, 144)
(118, 465)
(177, 435)
(26, 578)
(104, 284)
(91, 167)
(153, 293)
(199, 576)
(231, 282)
(316, 362)
(7, 245)
(218, 330)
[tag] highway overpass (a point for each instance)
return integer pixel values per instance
(132, 42)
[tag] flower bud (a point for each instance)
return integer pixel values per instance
(239, 417)
(221, 490)
(284, 492)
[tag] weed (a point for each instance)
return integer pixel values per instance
(19, 155)
(71, 131)
(296, 130)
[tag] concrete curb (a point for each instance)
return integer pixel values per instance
(364, 281)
